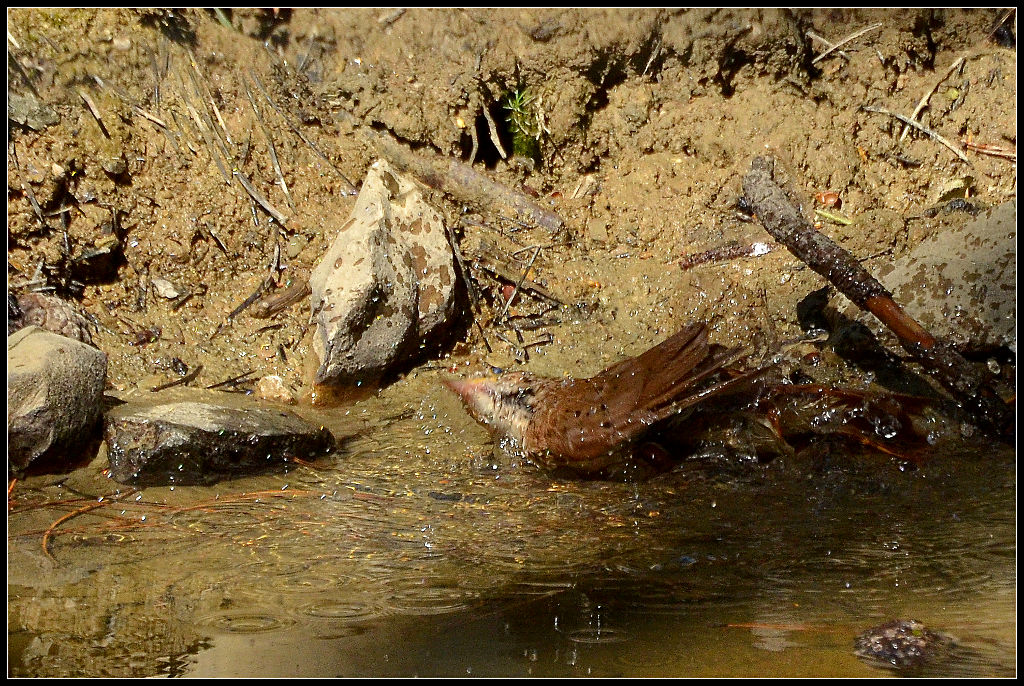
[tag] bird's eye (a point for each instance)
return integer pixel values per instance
(497, 370)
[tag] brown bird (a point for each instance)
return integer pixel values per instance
(593, 426)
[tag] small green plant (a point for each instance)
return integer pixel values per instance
(526, 122)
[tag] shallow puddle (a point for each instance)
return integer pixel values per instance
(411, 551)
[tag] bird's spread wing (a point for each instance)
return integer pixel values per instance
(587, 418)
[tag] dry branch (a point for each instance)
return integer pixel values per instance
(778, 213)
(466, 184)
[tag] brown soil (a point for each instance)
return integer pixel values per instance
(649, 120)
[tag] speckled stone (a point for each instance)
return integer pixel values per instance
(386, 284)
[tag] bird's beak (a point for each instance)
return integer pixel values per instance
(466, 389)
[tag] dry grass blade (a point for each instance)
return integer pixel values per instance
(493, 128)
(260, 198)
(207, 137)
(298, 132)
(920, 127)
(95, 111)
(851, 37)
(270, 143)
(827, 43)
(927, 96)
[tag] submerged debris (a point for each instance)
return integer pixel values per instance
(901, 644)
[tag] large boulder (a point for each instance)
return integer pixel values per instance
(54, 392)
(385, 286)
(961, 283)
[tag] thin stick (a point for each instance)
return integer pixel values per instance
(233, 381)
(852, 36)
(927, 96)
(993, 150)
(179, 382)
(522, 278)
(920, 127)
(827, 43)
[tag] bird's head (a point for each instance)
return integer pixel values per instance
(503, 403)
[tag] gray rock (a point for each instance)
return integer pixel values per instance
(386, 284)
(961, 284)
(28, 111)
(194, 437)
(54, 388)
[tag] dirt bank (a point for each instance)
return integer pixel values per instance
(123, 194)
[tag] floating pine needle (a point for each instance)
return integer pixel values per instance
(71, 515)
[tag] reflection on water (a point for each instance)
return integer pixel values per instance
(412, 552)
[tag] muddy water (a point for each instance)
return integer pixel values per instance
(413, 551)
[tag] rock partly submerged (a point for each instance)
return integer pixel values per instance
(187, 437)
(54, 393)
